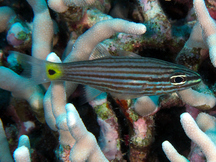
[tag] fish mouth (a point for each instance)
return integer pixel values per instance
(194, 79)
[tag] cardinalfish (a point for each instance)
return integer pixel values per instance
(123, 77)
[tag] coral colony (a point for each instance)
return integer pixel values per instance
(65, 121)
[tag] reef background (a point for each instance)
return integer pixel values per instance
(15, 113)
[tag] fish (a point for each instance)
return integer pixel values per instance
(123, 77)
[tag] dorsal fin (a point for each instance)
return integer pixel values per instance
(99, 52)
(126, 53)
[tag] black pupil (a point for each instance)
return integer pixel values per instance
(178, 79)
(51, 72)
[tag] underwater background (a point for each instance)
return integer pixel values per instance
(125, 129)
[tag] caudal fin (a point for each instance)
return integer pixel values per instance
(28, 66)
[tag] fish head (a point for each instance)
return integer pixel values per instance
(184, 78)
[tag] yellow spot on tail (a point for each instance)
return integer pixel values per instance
(53, 71)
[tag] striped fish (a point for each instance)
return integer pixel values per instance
(121, 76)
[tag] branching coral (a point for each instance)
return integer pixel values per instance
(22, 88)
(84, 148)
(138, 114)
(95, 35)
(85, 140)
(4, 149)
(62, 5)
(203, 33)
(146, 105)
(196, 99)
(208, 27)
(9, 15)
(204, 141)
(72, 131)
(42, 29)
(54, 108)
(109, 139)
(22, 153)
(19, 33)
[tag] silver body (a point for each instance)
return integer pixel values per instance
(129, 77)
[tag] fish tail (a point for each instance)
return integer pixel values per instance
(40, 71)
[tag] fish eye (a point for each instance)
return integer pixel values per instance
(51, 72)
(178, 79)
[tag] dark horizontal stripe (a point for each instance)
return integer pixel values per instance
(122, 71)
(157, 90)
(90, 80)
(120, 85)
(117, 80)
(147, 91)
(145, 74)
(118, 59)
(115, 88)
(125, 71)
(110, 78)
(118, 74)
(135, 76)
(124, 66)
(121, 74)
